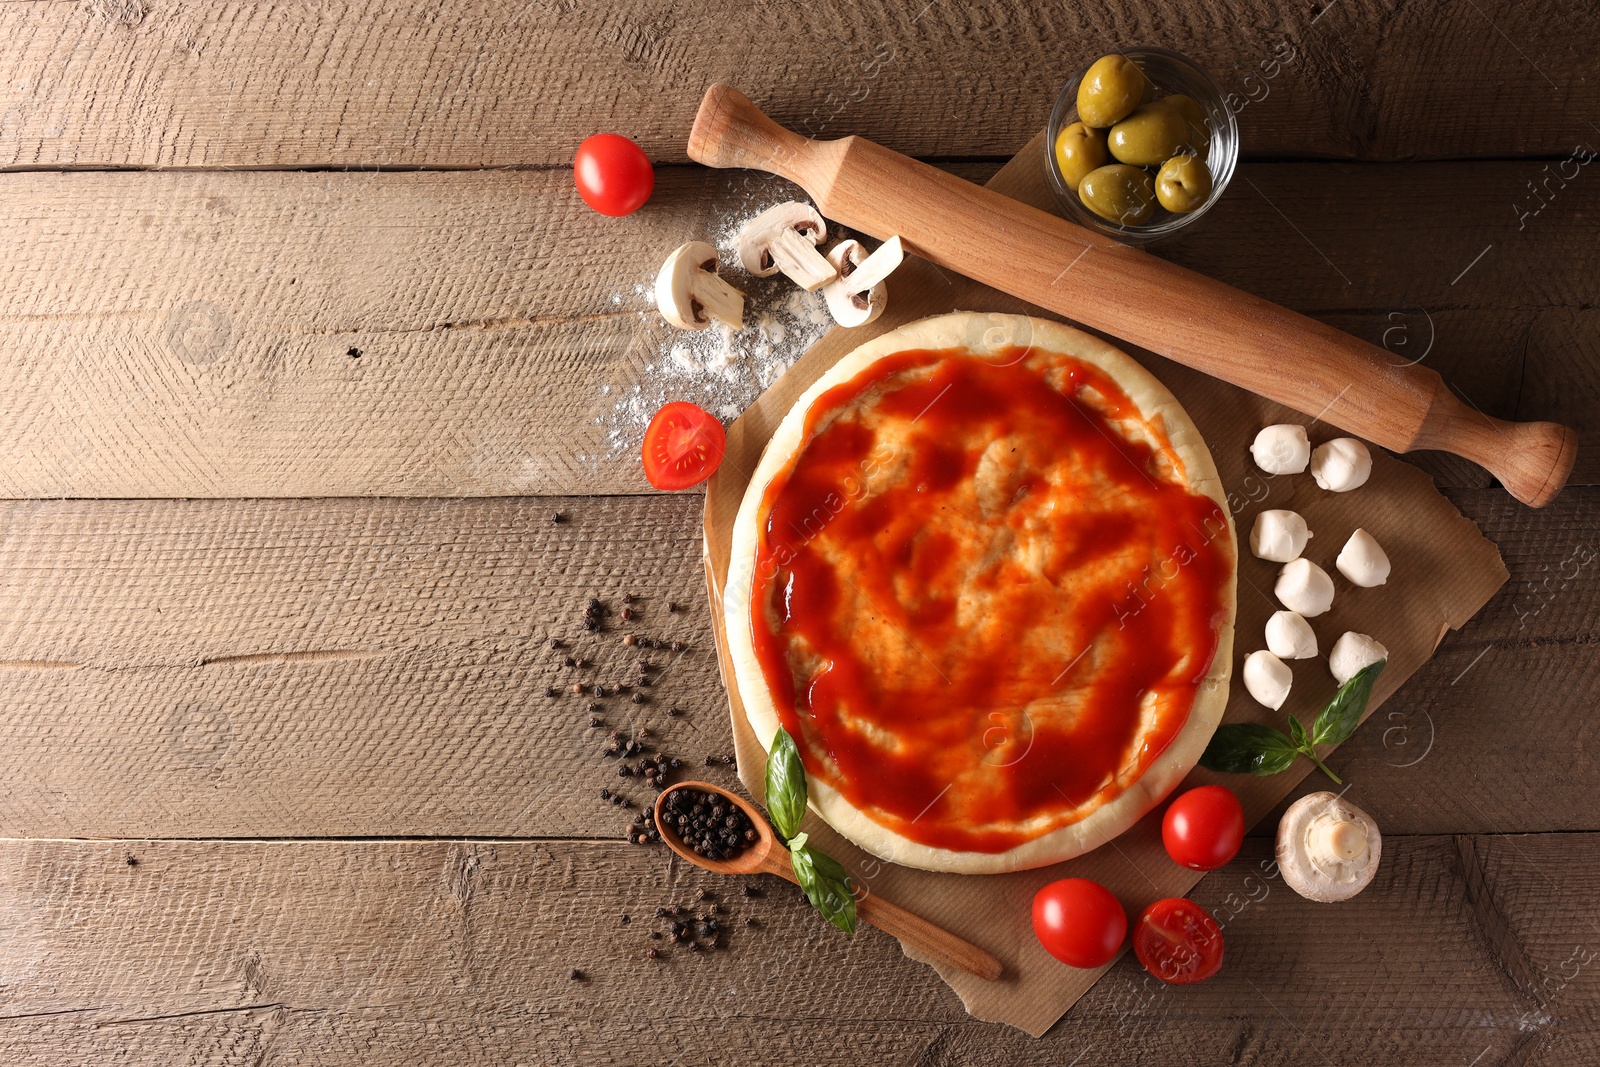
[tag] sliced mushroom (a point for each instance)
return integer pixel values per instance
(858, 295)
(785, 238)
(690, 294)
(1328, 849)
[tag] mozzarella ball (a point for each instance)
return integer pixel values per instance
(1363, 561)
(1304, 587)
(1341, 465)
(1279, 536)
(1281, 449)
(1352, 653)
(1289, 636)
(1267, 678)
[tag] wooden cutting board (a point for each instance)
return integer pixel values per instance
(1444, 571)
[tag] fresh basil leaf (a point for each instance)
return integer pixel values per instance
(827, 886)
(1248, 748)
(786, 785)
(1297, 733)
(1336, 722)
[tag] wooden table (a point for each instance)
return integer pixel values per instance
(306, 345)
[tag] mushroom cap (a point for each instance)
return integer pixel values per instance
(674, 283)
(847, 308)
(1328, 849)
(757, 234)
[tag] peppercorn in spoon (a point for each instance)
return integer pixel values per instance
(762, 854)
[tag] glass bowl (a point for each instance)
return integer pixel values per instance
(1169, 72)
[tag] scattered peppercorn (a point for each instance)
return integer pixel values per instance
(674, 713)
(133, 861)
(558, 518)
(551, 691)
(672, 608)
(630, 640)
(577, 689)
(652, 954)
(628, 614)
(575, 974)
(639, 698)
(595, 720)
(571, 661)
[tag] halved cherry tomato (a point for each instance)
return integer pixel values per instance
(613, 174)
(1178, 941)
(1079, 922)
(682, 446)
(1204, 828)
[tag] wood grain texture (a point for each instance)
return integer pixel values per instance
(173, 83)
(190, 335)
(454, 953)
(375, 668)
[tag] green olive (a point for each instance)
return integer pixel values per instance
(1080, 149)
(1153, 133)
(1110, 89)
(1120, 193)
(1183, 184)
(1199, 132)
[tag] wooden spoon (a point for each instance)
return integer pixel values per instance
(767, 856)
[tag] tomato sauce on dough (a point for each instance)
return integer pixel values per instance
(985, 596)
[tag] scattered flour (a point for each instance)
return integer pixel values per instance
(721, 369)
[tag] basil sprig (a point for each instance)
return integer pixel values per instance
(824, 879)
(1250, 748)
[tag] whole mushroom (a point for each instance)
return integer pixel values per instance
(1341, 465)
(690, 293)
(1281, 449)
(1279, 536)
(1328, 849)
(785, 238)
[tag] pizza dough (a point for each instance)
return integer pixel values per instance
(940, 728)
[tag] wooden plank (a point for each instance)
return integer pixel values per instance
(445, 953)
(208, 83)
(192, 335)
(349, 667)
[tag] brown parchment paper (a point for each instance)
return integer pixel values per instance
(1444, 571)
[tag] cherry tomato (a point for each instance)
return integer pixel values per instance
(1178, 941)
(682, 446)
(613, 175)
(1079, 922)
(1204, 828)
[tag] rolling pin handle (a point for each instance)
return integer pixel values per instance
(1531, 459)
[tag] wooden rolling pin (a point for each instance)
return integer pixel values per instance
(1128, 293)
